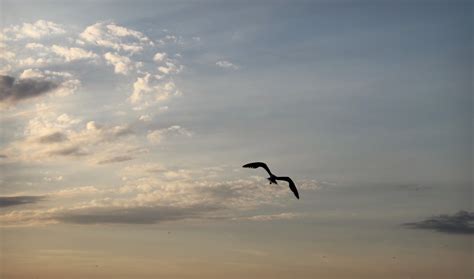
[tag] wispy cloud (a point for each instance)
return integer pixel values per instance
(227, 65)
(134, 215)
(115, 159)
(271, 217)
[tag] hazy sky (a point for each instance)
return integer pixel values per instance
(124, 126)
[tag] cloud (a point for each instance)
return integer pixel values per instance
(119, 38)
(115, 159)
(36, 30)
(152, 193)
(159, 56)
(134, 215)
(156, 136)
(149, 90)
(226, 64)
(271, 217)
(13, 91)
(52, 138)
(66, 151)
(122, 64)
(73, 53)
(460, 223)
(76, 191)
(19, 200)
(48, 136)
(31, 73)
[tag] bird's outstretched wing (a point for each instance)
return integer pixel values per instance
(255, 165)
(292, 185)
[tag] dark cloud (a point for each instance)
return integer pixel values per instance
(12, 91)
(134, 215)
(19, 200)
(459, 223)
(52, 138)
(115, 159)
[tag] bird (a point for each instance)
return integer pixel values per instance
(273, 178)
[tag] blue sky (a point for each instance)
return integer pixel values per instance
(134, 117)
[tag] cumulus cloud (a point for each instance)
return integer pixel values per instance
(119, 38)
(14, 90)
(159, 56)
(460, 223)
(19, 200)
(73, 53)
(36, 30)
(148, 90)
(122, 64)
(50, 136)
(226, 65)
(31, 73)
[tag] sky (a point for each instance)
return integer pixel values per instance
(124, 126)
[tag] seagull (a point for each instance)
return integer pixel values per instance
(273, 178)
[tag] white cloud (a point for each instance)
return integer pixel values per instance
(31, 73)
(122, 64)
(148, 90)
(226, 64)
(53, 178)
(169, 68)
(159, 56)
(7, 55)
(145, 118)
(73, 53)
(36, 30)
(110, 35)
(35, 46)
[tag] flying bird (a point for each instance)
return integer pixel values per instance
(273, 178)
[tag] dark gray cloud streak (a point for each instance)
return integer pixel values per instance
(52, 138)
(459, 223)
(19, 200)
(115, 159)
(68, 151)
(134, 215)
(13, 91)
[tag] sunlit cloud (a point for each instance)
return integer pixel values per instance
(36, 30)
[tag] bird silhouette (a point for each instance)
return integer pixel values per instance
(273, 178)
